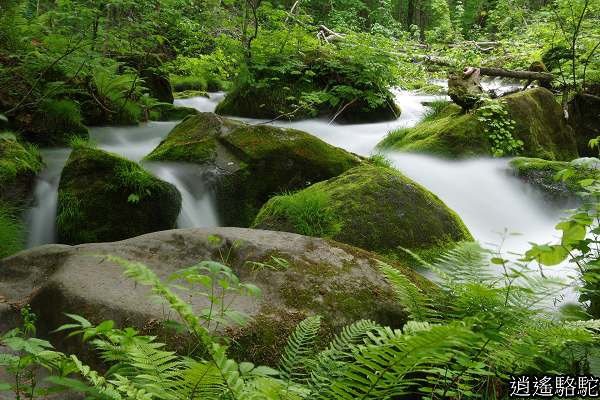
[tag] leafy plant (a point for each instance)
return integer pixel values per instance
(499, 128)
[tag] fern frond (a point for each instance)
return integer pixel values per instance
(407, 293)
(329, 361)
(389, 365)
(468, 262)
(298, 348)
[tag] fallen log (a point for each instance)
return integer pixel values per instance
(506, 73)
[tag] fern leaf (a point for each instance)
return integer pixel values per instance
(408, 295)
(298, 348)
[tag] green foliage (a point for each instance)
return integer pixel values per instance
(498, 127)
(298, 348)
(307, 211)
(17, 159)
(380, 160)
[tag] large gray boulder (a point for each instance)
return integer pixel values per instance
(339, 282)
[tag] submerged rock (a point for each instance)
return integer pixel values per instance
(543, 174)
(539, 123)
(255, 161)
(313, 276)
(103, 197)
(374, 208)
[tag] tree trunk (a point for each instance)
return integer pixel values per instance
(529, 75)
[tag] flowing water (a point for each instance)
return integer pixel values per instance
(482, 191)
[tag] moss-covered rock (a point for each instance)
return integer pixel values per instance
(374, 208)
(169, 112)
(103, 197)
(19, 164)
(542, 174)
(255, 161)
(275, 101)
(539, 123)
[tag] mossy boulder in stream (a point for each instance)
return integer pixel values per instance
(255, 161)
(169, 112)
(539, 123)
(372, 207)
(282, 101)
(543, 174)
(103, 197)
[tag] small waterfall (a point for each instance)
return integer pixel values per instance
(197, 199)
(202, 104)
(41, 217)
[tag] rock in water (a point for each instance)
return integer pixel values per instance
(465, 88)
(374, 208)
(103, 197)
(313, 276)
(542, 174)
(539, 123)
(255, 161)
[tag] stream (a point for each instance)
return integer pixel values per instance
(482, 191)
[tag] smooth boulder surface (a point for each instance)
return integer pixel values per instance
(254, 162)
(543, 174)
(337, 281)
(374, 208)
(103, 197)
(539, 123)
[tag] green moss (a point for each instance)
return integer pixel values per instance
(19, 164)
(103, 197)
(450, 134)
(378, 209)
(169, 112)
(186, 94)
(17, 158)
(306, 211)
(192, 140)
(539, 123)
(12, 231)
(542, 173)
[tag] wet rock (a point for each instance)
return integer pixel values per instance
(374, 208)
(255, 161)
(539, 123)
(103, 197)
